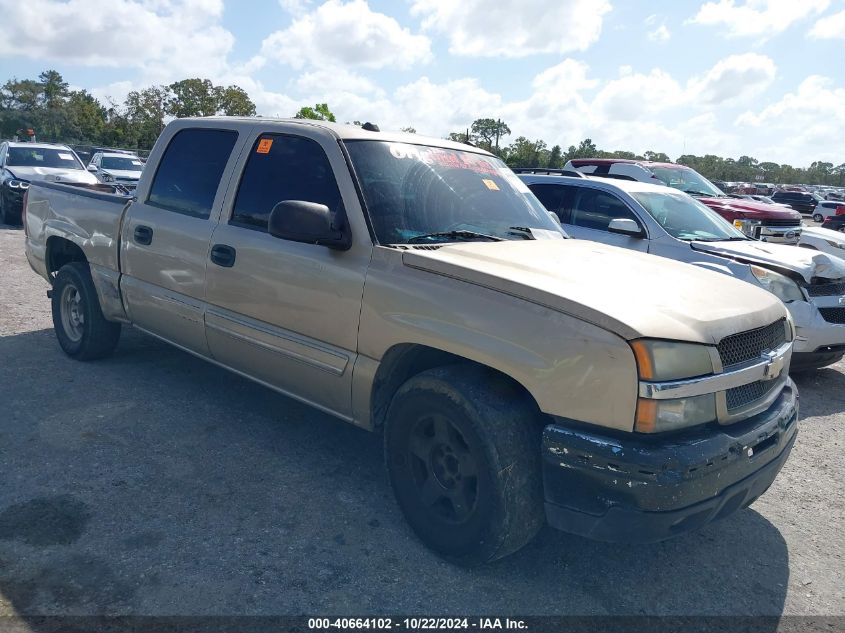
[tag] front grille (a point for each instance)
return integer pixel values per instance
(833, 315)
(746, 394)
(795, 223)
(826, 290)
(752, 344)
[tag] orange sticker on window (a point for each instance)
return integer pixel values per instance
(264, 146)
(491, 184)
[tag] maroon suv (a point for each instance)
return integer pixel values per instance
(766, 222)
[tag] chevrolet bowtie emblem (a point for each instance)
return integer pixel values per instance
(773, 367)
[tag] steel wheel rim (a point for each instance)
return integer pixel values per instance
(73, 315)
(443, 469)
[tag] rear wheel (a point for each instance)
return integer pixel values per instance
(82, 330)
(463, 457)
(818, 217)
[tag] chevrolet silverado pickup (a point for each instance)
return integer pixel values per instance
(416, 287)
(666, 222)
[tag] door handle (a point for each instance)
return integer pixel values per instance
(143, 235)
(223, 255)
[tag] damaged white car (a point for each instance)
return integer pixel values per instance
(670, 223)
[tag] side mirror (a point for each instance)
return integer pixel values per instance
(625, 226)
(308, 222)
(92, 168)
(554, 217)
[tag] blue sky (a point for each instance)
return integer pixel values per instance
(731, 77)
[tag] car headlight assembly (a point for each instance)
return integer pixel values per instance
(108, 178)
(17, 184)
(659, 361)
(779, 285)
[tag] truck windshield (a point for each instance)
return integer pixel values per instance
(122, 163)
(42, 157)
(685, 218)
(417, 194)
(687, 180)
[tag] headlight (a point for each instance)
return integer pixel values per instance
(747, 226)
(108, 178)
(17, 184)
(667, 360)
(779, 285)
(656, 416)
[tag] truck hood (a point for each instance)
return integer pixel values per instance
(52, 174)
(750, 209)
(629, 293)
(803, 261)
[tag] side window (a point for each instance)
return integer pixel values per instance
(189, 172)
(279, 168)
(594, 209)
(555, 198)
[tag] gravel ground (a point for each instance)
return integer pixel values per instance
(155, 483)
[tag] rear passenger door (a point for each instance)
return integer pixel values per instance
(166, 234)
(286, 313)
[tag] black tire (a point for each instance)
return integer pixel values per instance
(91, 336)
(463, 456)
(818, 217)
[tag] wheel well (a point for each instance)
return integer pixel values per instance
(61, 251)
(401, 362)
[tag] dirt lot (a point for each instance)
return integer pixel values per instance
(155, 483)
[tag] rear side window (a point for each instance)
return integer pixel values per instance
(282, 168)
(594, 209)
(190, 170)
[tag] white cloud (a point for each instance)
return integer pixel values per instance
(660, 32)
(756, 17)
(734, 78)
(513, 28)
(184, 35)
(804, 125)
(295, 7)
(346, 34)
(829, 27)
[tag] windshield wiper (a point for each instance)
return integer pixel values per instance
(693, 192)
(465, 236)
(522, 231)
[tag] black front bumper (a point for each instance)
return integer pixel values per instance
(12, 203)
(641, 489)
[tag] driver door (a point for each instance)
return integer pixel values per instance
(589, 214)
(286, 313)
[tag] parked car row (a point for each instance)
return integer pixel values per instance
(418, 286)
(21, 163)
(662, 221)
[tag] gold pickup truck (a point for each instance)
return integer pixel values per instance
(416, 287)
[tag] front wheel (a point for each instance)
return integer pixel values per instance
(463, 456)
(82, 330)
(818, 217)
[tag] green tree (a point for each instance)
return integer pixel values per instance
(486, 133)
(657, 157)
(234, 101)
(556, 157)
(192, 97)
(585, 149)
(526, 153)
(85, 118)
(144, 111)
(408, 130)
(320, 112)
(54, 89)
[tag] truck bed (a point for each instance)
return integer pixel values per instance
(88, 215)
